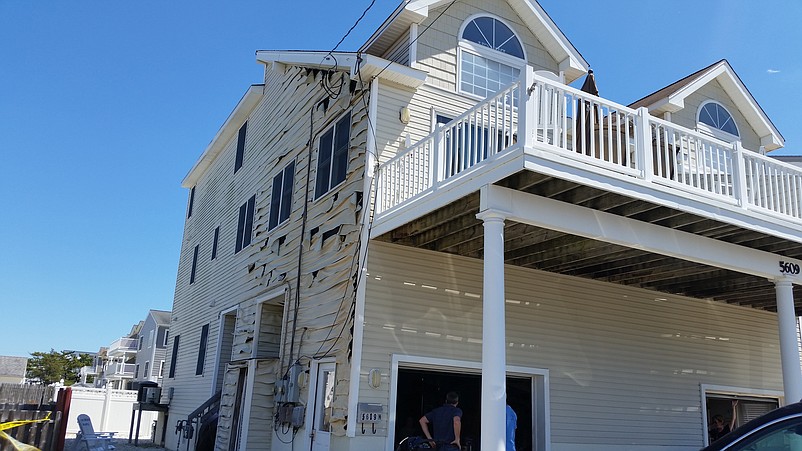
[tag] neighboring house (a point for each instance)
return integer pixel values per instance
(12, 369)
(440, 211)
(152, 347)
(120, 366)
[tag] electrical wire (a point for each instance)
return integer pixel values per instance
(354, 25)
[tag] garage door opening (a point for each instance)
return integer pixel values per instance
(421, 390)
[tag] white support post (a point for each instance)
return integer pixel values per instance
(526, 115)
(739, 175)
(438, 157)
(789, 348)
(494, 360)
(643, 144)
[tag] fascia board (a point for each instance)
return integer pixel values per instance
(319, 60)
(232, 124)
(372, 66)
(575, 59)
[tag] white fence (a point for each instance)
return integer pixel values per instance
(110, 411)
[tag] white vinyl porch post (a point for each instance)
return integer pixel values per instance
(494, 359)
(789, 349)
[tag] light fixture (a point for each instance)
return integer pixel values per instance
(403, 115)
(375, 378)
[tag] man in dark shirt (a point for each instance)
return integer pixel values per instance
(447, 422)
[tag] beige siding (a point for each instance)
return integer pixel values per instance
(626, 364)
(714, 91)
(278, 132)
(437, 47)
(399, 52)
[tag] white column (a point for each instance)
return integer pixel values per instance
(494, 346)
(789, 349)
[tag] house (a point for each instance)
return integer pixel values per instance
(441, 211)
(120, 367)
(152, 347)
(12, 369)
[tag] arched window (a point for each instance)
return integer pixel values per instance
(714, 118)
(490, 56)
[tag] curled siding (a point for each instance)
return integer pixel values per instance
(278, 132)
(624, 363)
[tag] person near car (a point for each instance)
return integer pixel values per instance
(446, 421)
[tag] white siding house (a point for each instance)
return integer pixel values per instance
(441, 211)
(153, 349)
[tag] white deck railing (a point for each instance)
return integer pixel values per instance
(559, 119)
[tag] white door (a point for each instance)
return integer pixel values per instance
(324, 395)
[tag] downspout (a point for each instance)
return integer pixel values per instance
(364, 241)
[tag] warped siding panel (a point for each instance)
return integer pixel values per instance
(278, 132)
(613, 352)
(261, 421)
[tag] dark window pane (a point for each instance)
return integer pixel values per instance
(240, 147)
(191, 276)
(191, 201)
(275, 201)
(286, 195)
(240, 227)
(340, 160)
(202, 350)
(174, 356)
(214, 242)
(324, 163)
(246, 235)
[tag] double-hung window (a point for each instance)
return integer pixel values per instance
(332, 159)
(245, 224)
(490, 56)
(281, 197)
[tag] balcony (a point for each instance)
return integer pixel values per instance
(121, 346)
(558, 143)
(120, 370)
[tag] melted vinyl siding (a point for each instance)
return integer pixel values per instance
(261, 420)
(437, 52)
(713, 91)
(624, 363)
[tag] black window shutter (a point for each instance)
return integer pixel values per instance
(286, 194)
(240, 147)
(240, 228)
(174, 356)
(191, 201)
(202, 350)
(340, 159)
(275, 201)
(214, 242)
(192, 273)
(246, 235)
(324, 163)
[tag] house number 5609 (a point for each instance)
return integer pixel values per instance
(789, 268)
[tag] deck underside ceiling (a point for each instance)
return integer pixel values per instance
(454, 229)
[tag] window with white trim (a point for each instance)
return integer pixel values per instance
(332, 157)
(490, 56)
(716, 120)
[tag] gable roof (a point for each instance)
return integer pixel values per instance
(672, 98)
(539, 22)
(13, 366)
(161, 317)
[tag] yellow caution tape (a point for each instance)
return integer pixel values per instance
(19, 446)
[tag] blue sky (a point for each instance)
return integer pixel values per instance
(105, 106)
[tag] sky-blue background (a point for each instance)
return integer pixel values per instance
(105, 106)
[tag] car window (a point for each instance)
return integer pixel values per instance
(782, 436)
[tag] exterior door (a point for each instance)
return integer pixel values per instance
(324, 395)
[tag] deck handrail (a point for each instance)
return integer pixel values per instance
(561, 120)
